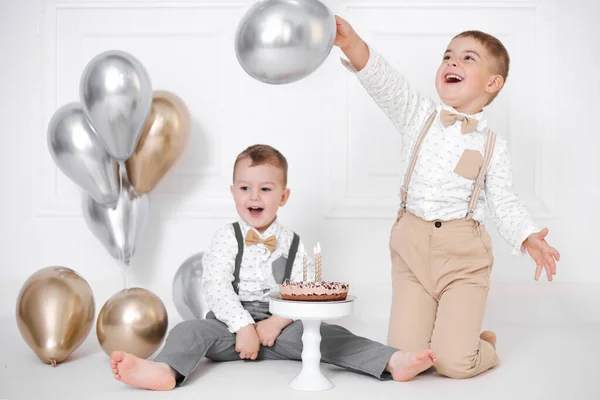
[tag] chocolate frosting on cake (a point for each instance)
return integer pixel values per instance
(314, 291)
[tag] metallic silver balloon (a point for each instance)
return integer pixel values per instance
(80, 155)
(187, 292)
(116, 94)
(282, 41)
(118, 229)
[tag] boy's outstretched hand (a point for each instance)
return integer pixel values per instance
(269, 329)
(247, 342)
(351, 44)
(545, 257)
(345, 33)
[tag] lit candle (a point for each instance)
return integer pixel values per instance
(318, 261)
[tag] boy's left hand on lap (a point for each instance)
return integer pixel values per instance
(269, 329)
(545, 257)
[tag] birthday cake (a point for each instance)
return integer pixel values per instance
(314, 291)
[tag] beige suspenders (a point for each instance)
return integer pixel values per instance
(413, 161)
(489, 150)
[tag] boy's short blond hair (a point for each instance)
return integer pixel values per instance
(261, 154)
(495, 48)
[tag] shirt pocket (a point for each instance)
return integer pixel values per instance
(470, 164)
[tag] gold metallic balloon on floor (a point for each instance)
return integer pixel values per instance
(134, 321)
(55, 313)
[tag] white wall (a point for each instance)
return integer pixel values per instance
(343, 171)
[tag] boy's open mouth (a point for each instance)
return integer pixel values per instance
(453, 78)
(255, 211)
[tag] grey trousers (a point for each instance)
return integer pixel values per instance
(190, 341)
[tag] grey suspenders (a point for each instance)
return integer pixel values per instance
(238, 258)
(477, 185)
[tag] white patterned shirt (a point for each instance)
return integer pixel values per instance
(435, 191)
(256, 274)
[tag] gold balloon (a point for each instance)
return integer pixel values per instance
(161, 142)
(134, 321)
(55, 312)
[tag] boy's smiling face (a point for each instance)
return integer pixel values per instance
(465, 79)
(258, 192)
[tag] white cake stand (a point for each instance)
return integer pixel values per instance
(311, 313)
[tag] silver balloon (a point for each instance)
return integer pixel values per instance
(116, 94)
(282, 41)
(188, 297)
(79, 154)
(120, 228)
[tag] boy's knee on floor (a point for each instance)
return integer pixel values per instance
(458, 366)
(454, 369)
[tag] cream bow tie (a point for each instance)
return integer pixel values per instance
(448, 118)
(253, 238)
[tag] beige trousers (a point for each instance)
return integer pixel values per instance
(441, 277)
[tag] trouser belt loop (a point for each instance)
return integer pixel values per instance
(477, 228)
(400, 214)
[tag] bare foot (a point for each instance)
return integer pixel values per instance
(141, 373)
(404, 365)
(489, 337)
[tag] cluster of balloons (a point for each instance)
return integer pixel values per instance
(116, 144)
(56, 309)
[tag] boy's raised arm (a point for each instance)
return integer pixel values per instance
(406, 107)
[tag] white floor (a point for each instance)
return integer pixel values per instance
(548, 344)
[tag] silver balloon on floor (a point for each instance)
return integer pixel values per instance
(283, 41)
(187, 292)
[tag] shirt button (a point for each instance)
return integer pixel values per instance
(438, 224)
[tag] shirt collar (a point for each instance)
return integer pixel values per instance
(272, 230)
(480, 116)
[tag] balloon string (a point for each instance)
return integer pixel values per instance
(121, 168)
(125, 277)
(53, 362)
(122, 248)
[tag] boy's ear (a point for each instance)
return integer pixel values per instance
(284, 197)
(231, 189)
(494, 84)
